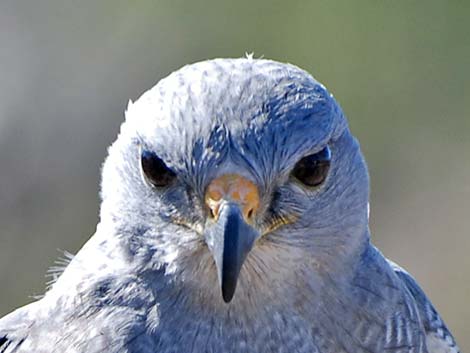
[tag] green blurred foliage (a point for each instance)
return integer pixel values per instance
(400, 70)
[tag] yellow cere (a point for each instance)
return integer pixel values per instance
(235, 188)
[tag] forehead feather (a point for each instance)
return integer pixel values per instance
(245, 100)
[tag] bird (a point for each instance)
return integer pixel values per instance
(234, 218)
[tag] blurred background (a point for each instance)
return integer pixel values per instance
(400, 70)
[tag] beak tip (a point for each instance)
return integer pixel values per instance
(226, 299)
(227, 295)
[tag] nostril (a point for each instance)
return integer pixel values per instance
(214, 211)
(250, 213)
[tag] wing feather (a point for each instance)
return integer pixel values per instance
(438, 337)
(14, 329)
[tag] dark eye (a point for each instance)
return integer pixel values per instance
(155, 170)
(313, 169)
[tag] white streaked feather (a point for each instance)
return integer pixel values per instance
(437, 344)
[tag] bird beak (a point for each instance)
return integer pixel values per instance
(233, 202)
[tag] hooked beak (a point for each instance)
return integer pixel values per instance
(233, 201)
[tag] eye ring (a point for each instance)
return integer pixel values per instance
(313, 169)
(154, 169)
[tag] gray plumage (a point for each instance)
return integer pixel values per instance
(147, 282)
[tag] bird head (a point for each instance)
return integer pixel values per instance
(235, 168)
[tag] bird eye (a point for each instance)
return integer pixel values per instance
(155, 170)
(313, 169)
